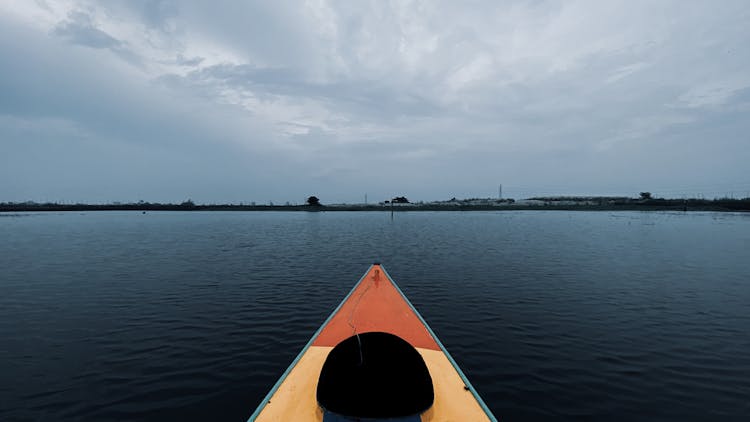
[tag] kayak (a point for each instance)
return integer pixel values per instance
(374, 359)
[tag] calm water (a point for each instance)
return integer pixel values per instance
(552, 315)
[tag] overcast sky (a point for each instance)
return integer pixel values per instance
(277, 100)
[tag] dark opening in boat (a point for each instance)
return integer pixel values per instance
(375, 376)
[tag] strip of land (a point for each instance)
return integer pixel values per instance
(486, 204)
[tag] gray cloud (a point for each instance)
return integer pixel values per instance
(275, 100)
(191, 62)
(80, 30)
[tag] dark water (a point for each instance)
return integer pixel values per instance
(552, 315)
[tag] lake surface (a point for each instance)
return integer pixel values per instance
(551, 315)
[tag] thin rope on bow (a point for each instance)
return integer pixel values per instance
(351, 316)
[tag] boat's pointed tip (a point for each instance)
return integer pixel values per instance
(376, 263)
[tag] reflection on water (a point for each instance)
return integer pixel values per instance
(552, 315)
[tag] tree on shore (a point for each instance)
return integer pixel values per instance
(646, 195)
(313, 201)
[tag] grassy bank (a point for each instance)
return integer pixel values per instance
(659, 204)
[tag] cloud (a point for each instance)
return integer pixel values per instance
(522, 93)
(191, 62)
(79, 29)
(625, 71)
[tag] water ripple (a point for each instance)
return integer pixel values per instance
(552, 315)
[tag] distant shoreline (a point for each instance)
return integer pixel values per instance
(724, 205)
